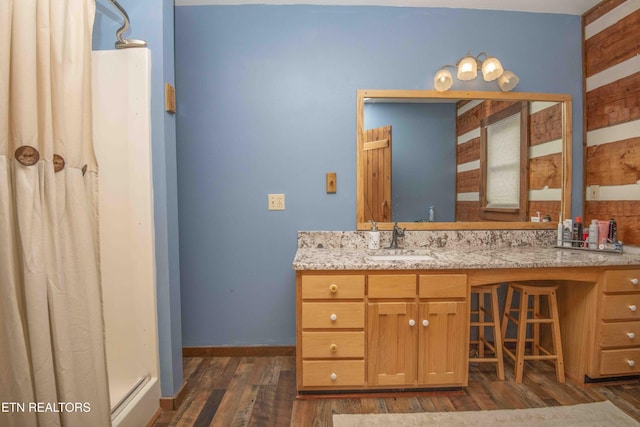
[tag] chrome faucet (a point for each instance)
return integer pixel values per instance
(397, 232)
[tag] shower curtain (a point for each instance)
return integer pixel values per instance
(52, 355)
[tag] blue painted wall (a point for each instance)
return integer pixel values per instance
(266, 104)
(153, 22)
(424, 157)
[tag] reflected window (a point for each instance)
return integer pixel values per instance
(504, 164)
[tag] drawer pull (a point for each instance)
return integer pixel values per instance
(631, 363)
(412, 322)
(333, 288)
(333, 376)
(333, 348)
(425, 322)
(633, 308)
(333, 317)
(631, 335)
(634, 281)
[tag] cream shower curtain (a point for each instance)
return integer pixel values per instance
(52, 356)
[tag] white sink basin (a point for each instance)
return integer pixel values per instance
(400, 257)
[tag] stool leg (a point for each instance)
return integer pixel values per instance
(505, 318)
(497, 336)
(481, 318)
(557, 345)
(521, 337)
(536, 326)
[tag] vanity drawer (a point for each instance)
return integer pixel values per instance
(392, 286)
(623, 307)
(620, 334)
(443, 286)
(621, 280)
(332, 315)
(620, 362)
(335, 373)
(333, 287)
(332, 344)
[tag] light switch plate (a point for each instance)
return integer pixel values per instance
(276, 202)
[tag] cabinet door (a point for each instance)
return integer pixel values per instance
(442, 354)
(391, 343)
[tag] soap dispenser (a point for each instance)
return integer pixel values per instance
(373, 237)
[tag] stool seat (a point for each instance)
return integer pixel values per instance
(535, 317)
(487, 317)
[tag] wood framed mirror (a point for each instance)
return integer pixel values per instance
(418, 149)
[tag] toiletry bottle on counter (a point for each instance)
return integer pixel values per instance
(432, 214)
(593, 234)
(567, 233)
(613, 231)
(577, 232)
(603, 230)
(373, 237)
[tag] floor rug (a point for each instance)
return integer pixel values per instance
(588, 414)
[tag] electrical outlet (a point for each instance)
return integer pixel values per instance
(594, 192)
(276, 202)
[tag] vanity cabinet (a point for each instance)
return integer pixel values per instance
(617, 337)
(382, 331)
(331, 331)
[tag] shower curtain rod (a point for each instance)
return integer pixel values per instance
(123, 43)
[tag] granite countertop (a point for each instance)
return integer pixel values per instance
(456, 258)
(441, 250)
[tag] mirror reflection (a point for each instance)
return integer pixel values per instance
(422, 156)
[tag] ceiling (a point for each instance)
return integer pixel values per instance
(570, 7)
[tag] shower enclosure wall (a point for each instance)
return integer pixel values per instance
(122, 139)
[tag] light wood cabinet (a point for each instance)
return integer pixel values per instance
(365, 330)
(443, 349)
(444, 333)
(382, 331)
(617, 338)
(422, 341)
(331, 337)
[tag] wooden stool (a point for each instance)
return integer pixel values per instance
(537, 318)
(487, 318)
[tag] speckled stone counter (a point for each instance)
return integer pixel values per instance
(487, 249)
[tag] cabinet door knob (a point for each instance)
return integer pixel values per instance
(333, 376)
(631, 335)
(333, 317)
(412, 322)
(425, 322)
(333, 288)
(633, 307)
(634, 281)
(631, 363)
(333, 348)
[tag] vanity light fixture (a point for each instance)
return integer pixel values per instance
(443, 79)
(467, 69)
(508, 80)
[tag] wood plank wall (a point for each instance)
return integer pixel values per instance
(611, 49)
(545, 157)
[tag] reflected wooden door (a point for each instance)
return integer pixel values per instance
(377, 177)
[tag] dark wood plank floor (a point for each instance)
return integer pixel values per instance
(261, 391)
